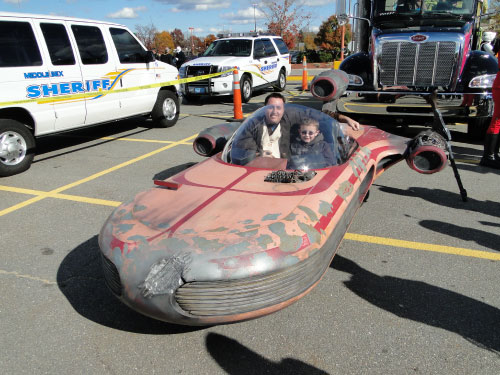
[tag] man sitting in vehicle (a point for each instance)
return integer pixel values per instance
(267, 137)
(309, 149)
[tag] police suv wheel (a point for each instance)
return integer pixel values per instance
(166, 110)
(246, 89)
(281, 82)
(17, 147)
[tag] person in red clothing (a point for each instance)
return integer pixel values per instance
(491, 158)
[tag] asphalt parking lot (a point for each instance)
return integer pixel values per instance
(413, 288)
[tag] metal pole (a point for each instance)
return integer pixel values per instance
(254, 19)
(192, 42)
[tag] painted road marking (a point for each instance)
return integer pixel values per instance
(29, 277)
(360, 238)
(144, 140)
(422, 246)
(348, 236)
(69, 197)
(92, 177)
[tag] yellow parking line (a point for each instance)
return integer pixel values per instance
(144, 140)
(69, 197)
(468, 161)
(92, 177)
(359, 238)
(422, 246)
(29, 277)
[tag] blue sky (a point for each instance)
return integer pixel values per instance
(205, 16)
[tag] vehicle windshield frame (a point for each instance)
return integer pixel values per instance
(443, 10)
(330, 132)
(229, 47)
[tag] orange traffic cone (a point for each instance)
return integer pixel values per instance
(304, 73)
(238, 111)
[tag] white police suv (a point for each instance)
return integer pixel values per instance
(262, 60)
(58, 74)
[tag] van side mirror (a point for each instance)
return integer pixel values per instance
(150, 57)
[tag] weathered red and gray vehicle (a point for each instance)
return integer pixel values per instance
(222, 242)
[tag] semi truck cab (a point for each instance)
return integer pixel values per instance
(405, 49)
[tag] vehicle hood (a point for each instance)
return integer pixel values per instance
(219, 60)
(221, 217)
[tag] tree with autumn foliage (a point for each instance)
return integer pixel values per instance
(286, 18)
(307, 37)
(329, 36)
(146, 34)
(178, 38)
(494, 10)
(163, 41)
(208, 40)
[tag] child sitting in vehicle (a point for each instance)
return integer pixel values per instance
(309, 150)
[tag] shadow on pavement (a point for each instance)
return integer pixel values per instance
(475, 321)
(237, 359)
(81, 280)
(481, 237)
(446, 198)
(167, 173)
(87, 135)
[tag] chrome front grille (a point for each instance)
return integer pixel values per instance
(195, 71)
(253, 293)
(417, 64)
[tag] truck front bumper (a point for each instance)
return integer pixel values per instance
(401, 108)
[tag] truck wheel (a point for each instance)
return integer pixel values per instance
(246, 89)
(281, 82)
(17, 147)
(476, 127)
(166, 110)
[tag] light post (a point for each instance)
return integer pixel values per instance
(254, 19)
(192, 42)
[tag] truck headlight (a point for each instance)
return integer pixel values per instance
(355, 80)
(224, 68)
(482, 82)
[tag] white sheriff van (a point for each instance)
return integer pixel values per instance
(59, 73)
(265, 55)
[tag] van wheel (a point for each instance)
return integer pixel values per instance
(17, 147)
(246, 89)
(166, 110)
(281, 82)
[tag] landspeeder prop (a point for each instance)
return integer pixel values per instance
(239, 236)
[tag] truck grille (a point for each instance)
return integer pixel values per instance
(111, 276)
(253, 293)
(417, 64)
(195, 71)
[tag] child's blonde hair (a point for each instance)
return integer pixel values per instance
(310, 122)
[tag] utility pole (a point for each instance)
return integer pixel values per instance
(192, 42)
(342, 43)
(254, 19)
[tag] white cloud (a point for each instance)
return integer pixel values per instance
(127, 13)
(14, 1)
(199, 5)
(244, 16)
(318, 3)
(314, 29)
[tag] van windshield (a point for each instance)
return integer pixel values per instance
(229, 47)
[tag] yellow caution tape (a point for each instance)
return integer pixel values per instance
(95, 94)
